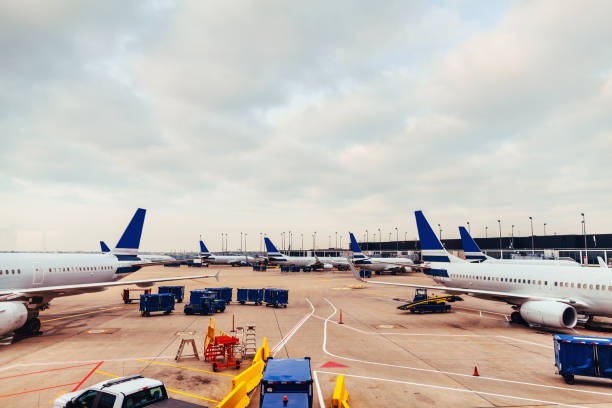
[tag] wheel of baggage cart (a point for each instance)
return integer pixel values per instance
(242, 302)
(412, 311)
(167, 312)
(127, 301)
(569, 378)
(214, 367)
(188, 311)
(237, 364)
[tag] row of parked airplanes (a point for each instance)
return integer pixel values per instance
(549, 293)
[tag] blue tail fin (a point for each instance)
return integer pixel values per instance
(105, 249)
(431, 247)
(130, 240)
(203, 248)
(354, 244)
(270, 248)
(470, 248)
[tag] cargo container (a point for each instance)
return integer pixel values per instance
(177, 291)
(286, 377)
(244, 295)
(156, 302)
(583, 355)
(223, 293)
(203, 302)
(276, 297)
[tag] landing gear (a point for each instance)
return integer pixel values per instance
(516, 317)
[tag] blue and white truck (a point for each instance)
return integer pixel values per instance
(286, 382)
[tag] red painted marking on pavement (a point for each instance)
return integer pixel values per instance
(87, 376)
(331, 364)
(45, 371)
(40, 389)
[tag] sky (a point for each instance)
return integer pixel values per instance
(267, 116)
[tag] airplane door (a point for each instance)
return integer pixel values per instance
(39, 274)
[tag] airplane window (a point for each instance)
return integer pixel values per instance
(591, 286)
(572, 284)
(566, 284)
(18, 270)
(597, 287)
(539, 282)
(555, 283)
(13, 271)
(529, 281)
(579, 286)
(545, 282)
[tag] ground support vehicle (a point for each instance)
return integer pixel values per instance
(156, 302)
(221, 353)
(177, 291)
(582, 355)
(203, 302)
(276, 297)
(286, 377)
(126, 294)
(306, 268)
(365, 273)
(131, 391)
(425, 304)
(223, 293)
(244, 295)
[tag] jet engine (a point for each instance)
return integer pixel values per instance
(328, 266)
(13, 316)
(549, 313)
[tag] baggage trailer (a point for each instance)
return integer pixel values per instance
(288, 378)
(244, 295)
(203, 302)
(582, 355)
(276, 297)
(177, 291)
(156, 302)
(221, 353)
(126, 294)
(223, 293)
(425, 304)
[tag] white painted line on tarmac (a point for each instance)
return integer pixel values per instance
(50, 363)
(319, 394)
(526, 342)
(440, 387)
(299, 324)
(429, 370)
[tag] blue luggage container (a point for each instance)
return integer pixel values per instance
(177, 291)
(294, 268)
(276, 297)
(244, 295)
(222, 293)
(582, 355)
(156, 302)
(365, 273)
(306, 268)
(202, 302)
(284, 268)
(256, 268)
(290, 377)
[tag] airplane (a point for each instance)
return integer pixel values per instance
(276, 258)
(145, 257)
(29, 281)
(474, 254)
(234, 260)
(549, 296)
(378, 264)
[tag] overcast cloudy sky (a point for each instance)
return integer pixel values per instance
(269, 116)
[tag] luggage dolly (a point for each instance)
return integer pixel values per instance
(425, 304)
(223, 349)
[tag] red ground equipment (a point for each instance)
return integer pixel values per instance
(222, 349)
(126, 294)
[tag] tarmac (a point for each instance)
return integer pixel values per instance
(389, 357)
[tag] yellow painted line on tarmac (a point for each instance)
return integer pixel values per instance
(169, 389)
(322, 280)
(59, 394)
(185, 368)
(84, 314)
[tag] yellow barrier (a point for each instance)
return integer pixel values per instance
(340, 397)
(210, 334)
(251, 376)
(263, 352)
(237, 398)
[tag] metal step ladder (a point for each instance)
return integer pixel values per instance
(239, 349)
(250, 341)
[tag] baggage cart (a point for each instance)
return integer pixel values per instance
(276, 297)
(306, 268)
(583, 355)
(223, 293)
(244, 295)
(365, 273)
(294, 268)
(156, 302)
(286, 377)
(422, 303)
(284, 268)
(177, 291)
(221, 353)
(200, 302)
(126, 294)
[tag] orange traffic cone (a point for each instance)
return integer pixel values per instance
(476, 372)
(340, 322)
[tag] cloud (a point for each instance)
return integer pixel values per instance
(264, 116)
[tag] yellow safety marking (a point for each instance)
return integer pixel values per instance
(83, 314)
(169, 389)
(184, 368)
(59, 394)
(322, 280)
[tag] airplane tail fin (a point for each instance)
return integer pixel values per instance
(270, 248)
(470, 248)
(130, 240)
(357, 254)
(203, 250)
(431, 247)
(104, 248)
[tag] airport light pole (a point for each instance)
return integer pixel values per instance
(532, 242)
(440, 228)
(501, 255)
(340, 241)
(240, 241)
(336, 239)
(367, 239)
(245, 235)
(544, 229)
(221, 242)
(290, 240)
(379, 241)
(486, 231)
(406, 236)
(585, 241)
(396, 240)
(469, 230)
(260, 242)
(512, 239)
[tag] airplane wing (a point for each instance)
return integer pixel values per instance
(11, 294)
(512, 298)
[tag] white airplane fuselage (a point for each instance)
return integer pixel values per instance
(591, 289)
